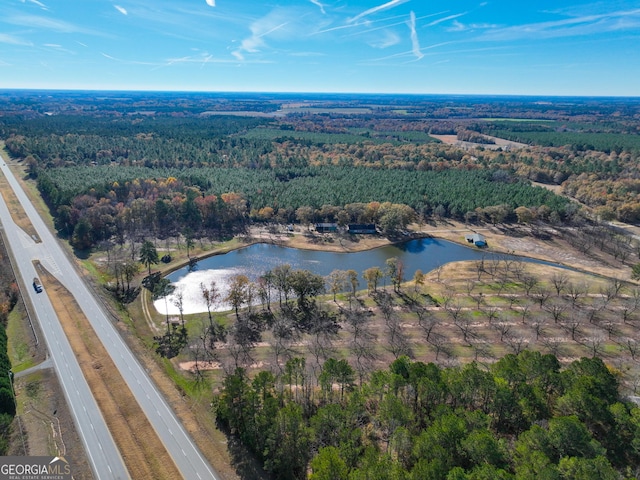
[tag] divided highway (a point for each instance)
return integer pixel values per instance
(100, 447)
(186, 455)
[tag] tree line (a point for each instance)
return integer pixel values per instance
(601, 141)
(521, 417)
(92, 204)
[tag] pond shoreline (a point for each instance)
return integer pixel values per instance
(424, 253)
(499, 242)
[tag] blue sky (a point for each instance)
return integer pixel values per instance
(387, 46)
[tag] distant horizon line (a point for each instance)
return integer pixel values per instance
(342, 93)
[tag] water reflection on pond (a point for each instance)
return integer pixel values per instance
(423, 254)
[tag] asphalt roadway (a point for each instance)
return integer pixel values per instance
(101, 450)
(100, 447)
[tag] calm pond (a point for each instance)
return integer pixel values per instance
(423, 254)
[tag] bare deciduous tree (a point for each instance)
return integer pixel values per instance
(553, 345)
(541, 294)
(481, 348)
(595, 345)
(504, 328)
(479, 266)
(362, 341)
(440, 343)
(529, 282)
(491, 313)
(524, 307)
(210, 295)
(575, 291)
(572, 325)
(426, 320)
(633, 347)
(612, 289)
(464, 324)
(556, 308)
(398, 342)
(560, 281)
(610, 327)
(516, 343)
(178, 301)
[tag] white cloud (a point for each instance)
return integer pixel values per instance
(575, 26)
(211, 3)
(307, 54)
(333, 29)
(444, 19)
(415, 43)
(457, 27)
(122, 10)
(59, 48)
(461, 27)
(316, 2)
(11, 40)
(46, 23)
(36, 2)
(382, 27)
(126, 62)
(388, 39)
(265, 26)
(379, 8)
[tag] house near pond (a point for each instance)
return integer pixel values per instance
(361, 228)
(477, 239)
(326, 227)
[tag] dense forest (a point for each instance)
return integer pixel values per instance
(522, 417)
(98, 203)
(279, 154)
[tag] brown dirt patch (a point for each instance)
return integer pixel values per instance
(328, 242)
(191, 366)
(520, 241)
(499, 142)
(143, 452)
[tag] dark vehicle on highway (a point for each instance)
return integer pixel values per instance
(37, 286)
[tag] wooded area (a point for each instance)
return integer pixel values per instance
(591, 147)
(525, 417)
(98, 203)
